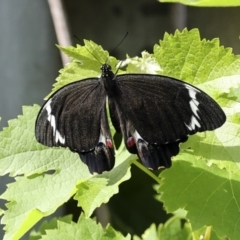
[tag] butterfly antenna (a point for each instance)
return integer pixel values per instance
(87, 49)
(118, 45)
(120, 41)
(77, 37)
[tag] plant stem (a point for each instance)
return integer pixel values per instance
(147, 171)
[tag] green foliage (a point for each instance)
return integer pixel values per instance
(173, 229)
(44, 190)
(86, 62)
(206, 3)
(53, 224)
(1, 211)
(204, 179)
(64, 228)
(210, 195)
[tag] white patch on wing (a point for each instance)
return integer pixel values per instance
(49, 109)
(59, 138)
(194, 107)
(102, 139)
(194, 122)
(191, 88)
(53, 122)
(137, 136)
(51, 118)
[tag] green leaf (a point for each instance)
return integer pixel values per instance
(84, 229)
(86, 63)
(206, 3)
(146, 64)
(1, 211)
(185, 56)
(216, 71)
(35, 235)
(210, 195)
(207, 190)
(150, 233)
(173, 230)
(99, 189)
(110, 234)
(50, 176)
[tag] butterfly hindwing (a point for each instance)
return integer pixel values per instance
(74, 117)
(102, 158)
(152, 155)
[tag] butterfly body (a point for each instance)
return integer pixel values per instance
(154, 113)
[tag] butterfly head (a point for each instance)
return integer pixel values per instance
(106, 69)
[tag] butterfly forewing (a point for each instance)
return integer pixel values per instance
(71, 117)
(164, 110)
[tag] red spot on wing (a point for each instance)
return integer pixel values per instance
(130, 142)
(109, 143)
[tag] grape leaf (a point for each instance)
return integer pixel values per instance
(215, 70)
(145, 64)
(1, 211)
(84, 229)
(185, 56)
(50, 176)
(173, 229)
(86, 63)
(52, 224)
(210, 195)
(149, 234)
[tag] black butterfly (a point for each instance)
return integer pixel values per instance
(154, 113)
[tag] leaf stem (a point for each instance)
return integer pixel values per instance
(208, 231)
(147, 171)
